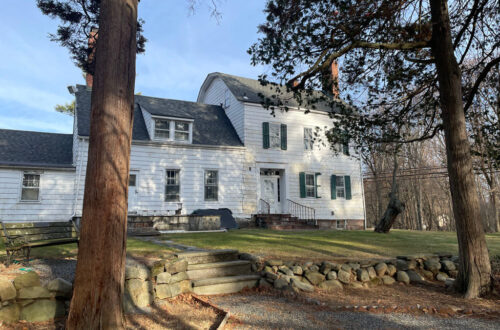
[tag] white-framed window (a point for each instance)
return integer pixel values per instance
(274, 136)
(211, 185)
(172, 185)
(308, 138)
(173, 130)
(310, 185)
(132, 180)
(162, 129)
(340, 186)
(181, 131)
(30, 187)
(227, 98)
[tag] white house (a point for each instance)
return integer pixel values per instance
(223, 151)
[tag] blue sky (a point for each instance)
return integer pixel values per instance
(182, 49)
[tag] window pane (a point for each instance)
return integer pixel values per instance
(181, 136)
(172, 185)
(211, 177)
(162, 124)
(340, 181)
(310, 191)
(309, 179)
(180, 126)
(131, 180)
(31, 180)
(340, 192)
(29, 194)
(162, 134)
(211, 193)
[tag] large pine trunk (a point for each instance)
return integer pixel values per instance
(98, 287)
(474, 276)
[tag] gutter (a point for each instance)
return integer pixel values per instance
(362, 190)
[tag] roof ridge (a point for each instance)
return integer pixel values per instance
(28, 131)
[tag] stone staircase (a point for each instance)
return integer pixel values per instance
(218, 272)
(282, 222)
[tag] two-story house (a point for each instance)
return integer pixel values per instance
(224, 151)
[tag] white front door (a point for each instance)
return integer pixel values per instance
(132, 191)
(269, 192)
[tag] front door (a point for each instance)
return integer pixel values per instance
(269, 191)
(132, 191)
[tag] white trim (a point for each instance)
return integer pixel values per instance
(315, 184)
(172, 118)
(21, 179)
(172, 168)
(218, 185)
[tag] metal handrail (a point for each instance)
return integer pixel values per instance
(302, 212)
(264, 207)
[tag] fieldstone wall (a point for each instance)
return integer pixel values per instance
(26, 299)
(326, 275)
(348, 224)
(162, 280)
(174, 222)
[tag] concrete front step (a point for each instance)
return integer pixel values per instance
(227, 284)
(213, 256)
(219, 269)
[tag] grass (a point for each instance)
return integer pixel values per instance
(135, 247)
(330, 244)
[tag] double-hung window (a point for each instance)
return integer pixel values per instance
(30, 190)
(310, 185)
(211, 185)
(172, 186)
(274, 136)
(162, 129)
(308, 138)
(181, 131)
(340, 186)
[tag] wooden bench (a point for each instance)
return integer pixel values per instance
(22, 236)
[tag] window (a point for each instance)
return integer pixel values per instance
(310, 186)
(308, 138)
(162, 129)
(275, 136)
(132, 179)
(340, 186)
(172, 186)
(30, 187)
(227, 98)
(211, 185)
(181, 131)
(167, 129)
(340, 224)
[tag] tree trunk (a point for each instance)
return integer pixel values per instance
(98, 287)
(395, 206)
(474, 276)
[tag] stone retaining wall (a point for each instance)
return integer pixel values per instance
(26, 299)
(162, 280)
(326, 275)
(175, 222)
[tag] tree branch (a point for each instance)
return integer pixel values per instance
(478, 82)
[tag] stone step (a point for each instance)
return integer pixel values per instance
(222, 285)
(218, 269)
(203, 257)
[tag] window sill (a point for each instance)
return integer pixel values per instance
(30, 202)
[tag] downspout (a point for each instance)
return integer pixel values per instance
(362, 190)
(77, 186)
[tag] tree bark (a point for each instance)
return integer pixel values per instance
(395, 206)
(98, 286)
(474, 276)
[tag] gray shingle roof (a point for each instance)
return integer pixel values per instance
(251, 91)
(211, 125)
(35, 149)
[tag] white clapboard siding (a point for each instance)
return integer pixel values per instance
(295, 159)
(215, 94)
(56, 196)
(151, 162)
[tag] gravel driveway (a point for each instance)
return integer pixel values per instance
(259, 311)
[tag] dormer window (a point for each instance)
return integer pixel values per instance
(173, 129)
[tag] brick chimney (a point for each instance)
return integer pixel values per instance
(334, 71)
(89, 79)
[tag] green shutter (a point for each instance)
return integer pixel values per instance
(346, 148)
(265, 135)
(302, 181)
(347, 180)
(316, 184)
(333, 186)
(283, 137)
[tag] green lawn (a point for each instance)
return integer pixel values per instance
(134, 247)
(324, 245)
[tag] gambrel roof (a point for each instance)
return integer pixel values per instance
(35, 149)
(251, 91)
(210, 123)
